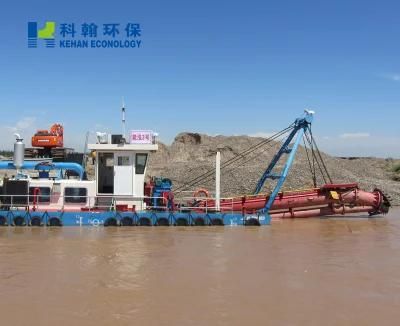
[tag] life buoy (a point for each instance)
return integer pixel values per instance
(201, 191)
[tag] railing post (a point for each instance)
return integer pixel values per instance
(218, 182)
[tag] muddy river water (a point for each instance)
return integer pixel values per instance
(295, 272)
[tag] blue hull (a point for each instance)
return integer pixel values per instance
(147, 218)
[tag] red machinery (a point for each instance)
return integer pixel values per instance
(48, 144)
(48, 139)
(330, 199)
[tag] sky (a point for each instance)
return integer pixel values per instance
(216, 67)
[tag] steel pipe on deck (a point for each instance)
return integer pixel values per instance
(355, 200)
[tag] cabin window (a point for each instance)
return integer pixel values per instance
(75, 195)
(43, 195)
(141, 160)
(123, 161)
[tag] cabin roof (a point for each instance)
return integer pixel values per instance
(123, 147)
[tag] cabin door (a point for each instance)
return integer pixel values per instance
(123, 174)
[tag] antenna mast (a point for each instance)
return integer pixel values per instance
(123, 120)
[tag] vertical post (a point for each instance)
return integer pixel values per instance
(218, 182)
(123, 120)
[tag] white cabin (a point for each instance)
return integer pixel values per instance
(121, 168)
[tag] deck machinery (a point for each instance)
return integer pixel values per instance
(120, 196)
(49, 144)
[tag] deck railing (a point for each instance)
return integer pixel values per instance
(185, 204)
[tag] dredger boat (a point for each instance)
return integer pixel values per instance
(61, 195)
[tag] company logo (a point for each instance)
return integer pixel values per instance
(86, 35)
(46, 34)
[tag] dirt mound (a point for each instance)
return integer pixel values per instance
(188, 138)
